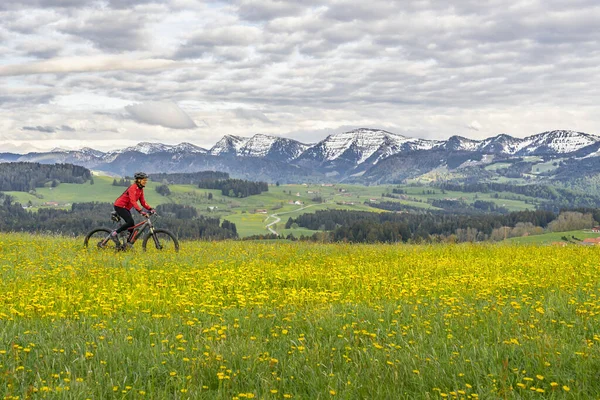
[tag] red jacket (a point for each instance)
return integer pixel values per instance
(130, 197)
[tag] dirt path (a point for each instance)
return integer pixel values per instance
(277, 219)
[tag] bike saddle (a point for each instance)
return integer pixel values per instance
(114, 216)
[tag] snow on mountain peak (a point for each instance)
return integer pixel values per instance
(461, 143)
(560, 141)
(186, 147)
(363, 141)
(93, 152)
(146, 148)
(261, 145)
(502, 143)
(228, 144)
(151, 148)
(257, 146)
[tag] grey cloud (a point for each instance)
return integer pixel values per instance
(317, 47)
(213, 41)
(49, 129)
(112, 30)
(45, 129)
(167, 114)
(218, 53)
(261, 10)
(28, 4)
(17, 100)
(28, 22)
(41, 49)
(251, 114)
(362, 11)
(122, 4)
(343, 33)
(308, 22)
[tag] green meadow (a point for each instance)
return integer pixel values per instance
(253, 213)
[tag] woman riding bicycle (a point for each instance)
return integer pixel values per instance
(128, 200)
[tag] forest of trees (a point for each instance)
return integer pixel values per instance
(450, 206)
(394, 206)
(25, 176)
(557, 198)
(125, 182)
(213, 180)
(182, 220)
(235, 187)
(189, 178)
(364, 226)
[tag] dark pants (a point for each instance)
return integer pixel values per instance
(126, 215)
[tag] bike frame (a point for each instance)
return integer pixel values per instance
(137, 230)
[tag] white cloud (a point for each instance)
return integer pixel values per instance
(163, 113)
(474, 125)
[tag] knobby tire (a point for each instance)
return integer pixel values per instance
(164, 237)
(88, 242)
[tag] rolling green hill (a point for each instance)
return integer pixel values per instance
(252, 214)
(553, 237)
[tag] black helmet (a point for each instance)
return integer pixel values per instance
(140, 175)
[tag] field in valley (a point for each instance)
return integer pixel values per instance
(252, 214)
(278, 320)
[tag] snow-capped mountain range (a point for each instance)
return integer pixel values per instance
(345, 153)
(361, 144)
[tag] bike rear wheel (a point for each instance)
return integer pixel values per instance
(98, 239)
(161, 240)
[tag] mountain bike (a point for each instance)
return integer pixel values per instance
(154, 239)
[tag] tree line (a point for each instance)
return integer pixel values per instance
(188, 178)
(235, 187)
(457, 206)
(182, 220)
(364, 226)
(26, 176)
(125, 182)
(556, 197)
(211, 180)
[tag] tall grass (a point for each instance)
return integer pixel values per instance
(298, 320)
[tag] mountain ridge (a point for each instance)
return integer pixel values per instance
(338, 156)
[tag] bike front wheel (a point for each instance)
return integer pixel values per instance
(99, 239)
(161, 240)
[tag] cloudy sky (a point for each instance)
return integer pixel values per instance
(111, 73)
